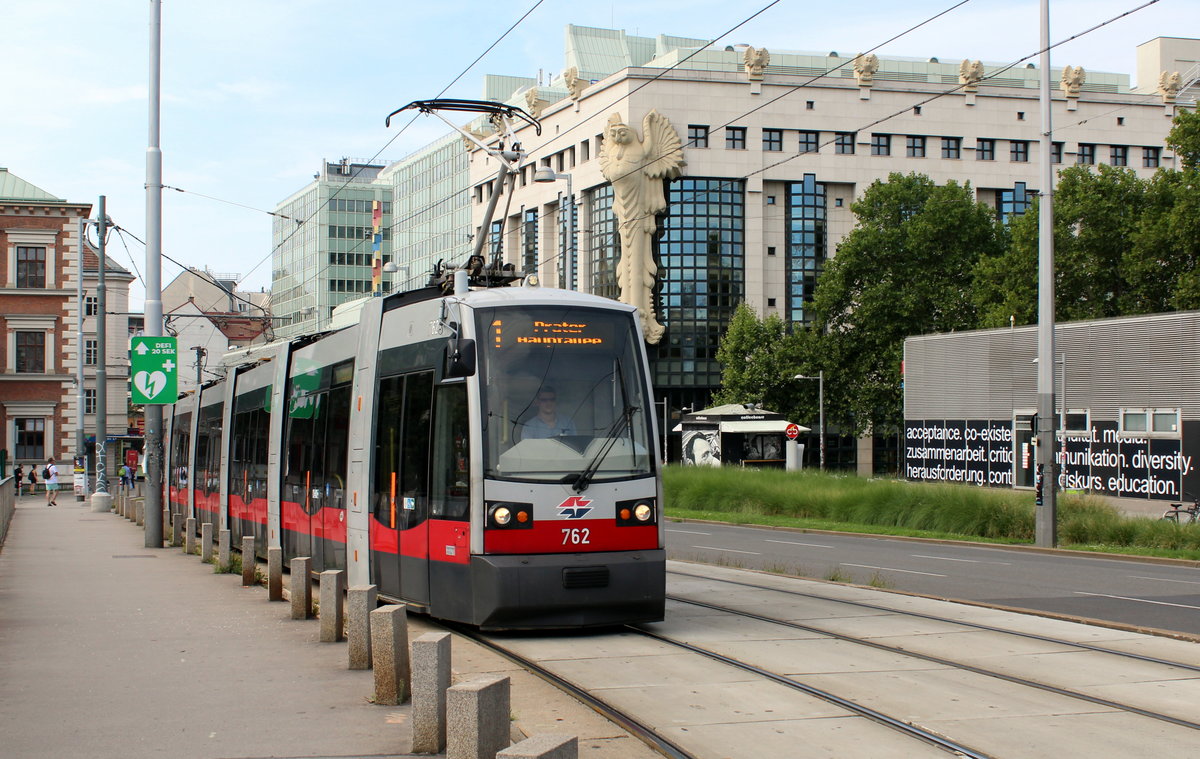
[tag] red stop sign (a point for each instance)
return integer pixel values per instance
(792, 431)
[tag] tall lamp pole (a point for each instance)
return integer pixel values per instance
(1046, 519)
(154, 311)
(546, 174)
(820, 378)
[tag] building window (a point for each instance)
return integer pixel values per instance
(585, 151)
(702, 250)
(698, 135)
(985, 150)
(31, 267)
(916, 110)
(91, 305)
(1018, 151)
(1014, 202)
(770, 250)
(89, 401)
(770, 303)
(31, 438)
(914, 147)
(806, 246)
(1076, 420)
(844, 143)
(564, 245)
(810, 105)
(952, 148)
(735, 138)
(530, 244)
(881, 144)
(1119, 155)
(773, 140)
(606, 243)
(1056, 150)
(91, 349)
(1160, 422)
(810, 142)
(1086, 155)
(1150, 157)
(31, 352)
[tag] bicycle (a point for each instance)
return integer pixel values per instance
(1181, 514)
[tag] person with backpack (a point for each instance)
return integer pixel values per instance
(32, 476)
(50, 475)
(19, 477)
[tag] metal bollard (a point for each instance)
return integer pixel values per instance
(275, 573)
(477, 714)
(301, 588)
(248, 561)
(206, 542)
(430, 681)
(333, 605)
(360, 601)
(389, 653)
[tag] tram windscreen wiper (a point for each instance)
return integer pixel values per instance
(584, 478)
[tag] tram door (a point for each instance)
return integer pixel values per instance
(401, 504)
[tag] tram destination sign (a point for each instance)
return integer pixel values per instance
(522, 330)
(154, 370)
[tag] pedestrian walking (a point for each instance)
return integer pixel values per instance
(50, 475)
(19, 477)
(32, 477)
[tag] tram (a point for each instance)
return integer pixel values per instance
(410, 445)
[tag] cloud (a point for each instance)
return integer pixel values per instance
(115, 95)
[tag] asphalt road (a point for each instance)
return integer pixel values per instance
(1130, 592)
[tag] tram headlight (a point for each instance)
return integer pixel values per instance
(502, 515)
(636, 512)
(508, 515)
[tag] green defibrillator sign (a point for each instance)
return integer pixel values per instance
(153, 369)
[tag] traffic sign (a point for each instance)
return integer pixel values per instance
(792, 431)
(154, 370)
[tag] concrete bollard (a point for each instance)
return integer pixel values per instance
(275, 573)
(389, 653)
(166, 523)
(177, 531)
(120, 506)
(249, 564)
(189, 536)
(430, 681)
(333, 605)
(139, 507)
(206, 542)
(477, 718)
(543, 747)
(223, 549)
(360, 600)
(301, 588)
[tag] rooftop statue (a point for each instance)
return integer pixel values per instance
(1072, 79)
(865, 67)
(636, 169)
(754, 63)
(1169, 85)
(575, 85)
(969, 74)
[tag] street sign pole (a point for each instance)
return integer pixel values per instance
(153, 267)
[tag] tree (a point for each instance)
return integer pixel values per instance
(755, 356)
(1184, 139)
(905, 269)
(1161, 268)
(1096, 215)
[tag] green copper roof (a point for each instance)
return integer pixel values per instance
(13, 187)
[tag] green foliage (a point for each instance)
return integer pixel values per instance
(1161, 269)
(1184, 139)
(825, 501)
(755, 356)
(905, 269)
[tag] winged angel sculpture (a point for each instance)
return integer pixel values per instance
(636, 170)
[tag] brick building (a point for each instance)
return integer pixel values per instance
(41, 350)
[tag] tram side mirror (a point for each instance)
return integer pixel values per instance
(460, 357)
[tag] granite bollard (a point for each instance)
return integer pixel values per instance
(389, 653)
(360, 600)
(477, 718)
(206, 542)
(139, 506)
(546, 746)
(189, 536)
(275, 573)
(177, 531)
(430, 681)
(301, 587)
(223, 549)
(333, 605)
(166, 523)
(249, 564)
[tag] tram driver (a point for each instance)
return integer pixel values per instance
(548, 422)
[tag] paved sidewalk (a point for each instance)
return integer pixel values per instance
(110, 649)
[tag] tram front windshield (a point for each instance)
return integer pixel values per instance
(563, 394)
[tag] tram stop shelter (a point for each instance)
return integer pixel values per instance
(741, 435)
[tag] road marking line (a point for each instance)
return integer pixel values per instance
(730, 550)
(1142, 600)
(794, 543)
(967, 561)
(1163, 579)
(690, 532)
(892, 569)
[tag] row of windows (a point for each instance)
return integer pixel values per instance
(349, 286)
(356, 206)
(915, 146)
(342, 232)
(355, 259)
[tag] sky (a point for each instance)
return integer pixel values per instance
(256, 93)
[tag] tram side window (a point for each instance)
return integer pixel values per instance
(208, 447)
(451, 476)
(181, 444)
(414, 466)
(301, 429)
(388, 420)
(336, 448)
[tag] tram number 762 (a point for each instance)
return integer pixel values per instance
(576, 536)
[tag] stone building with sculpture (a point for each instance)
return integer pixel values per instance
(704, 177)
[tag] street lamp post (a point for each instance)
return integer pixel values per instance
(546, 174)
(820, 378)
(664, 429)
